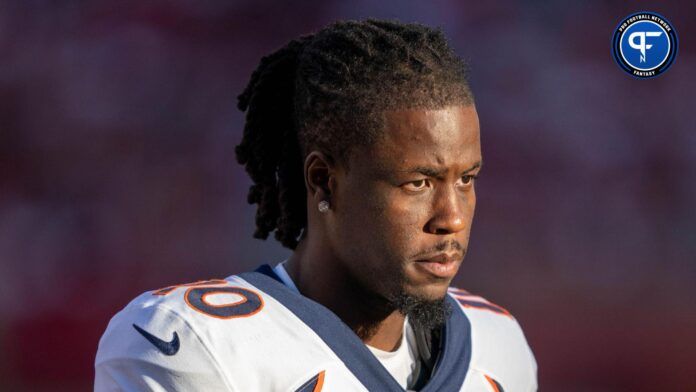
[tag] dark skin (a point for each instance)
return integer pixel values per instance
(409, 195)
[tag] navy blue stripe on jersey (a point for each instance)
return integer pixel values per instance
(455, 352)
(334, 332)
(451, 366)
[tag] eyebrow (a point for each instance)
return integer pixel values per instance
(433, 172)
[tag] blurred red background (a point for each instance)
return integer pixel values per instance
(117, 175)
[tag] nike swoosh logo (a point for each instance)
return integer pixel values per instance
(167, 348)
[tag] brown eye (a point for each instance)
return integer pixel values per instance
(417, 185)
(468, 180)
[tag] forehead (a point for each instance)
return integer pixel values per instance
(441, 138)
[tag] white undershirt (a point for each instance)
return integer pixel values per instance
(401, 363)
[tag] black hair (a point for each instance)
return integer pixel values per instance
(328, 91)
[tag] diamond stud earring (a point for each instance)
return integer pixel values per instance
(323, 206)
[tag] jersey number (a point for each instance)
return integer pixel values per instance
(197, 295)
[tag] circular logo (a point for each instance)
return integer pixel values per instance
(645, 44)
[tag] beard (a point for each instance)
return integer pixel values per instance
(425, 312)
(386, 295)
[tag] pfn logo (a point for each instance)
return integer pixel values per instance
(644, 44)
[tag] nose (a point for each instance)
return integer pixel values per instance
(451, 212)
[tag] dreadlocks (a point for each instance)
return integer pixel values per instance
(329, 92)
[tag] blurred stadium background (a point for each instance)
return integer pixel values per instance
(117, 175)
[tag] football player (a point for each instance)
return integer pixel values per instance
(362, 141)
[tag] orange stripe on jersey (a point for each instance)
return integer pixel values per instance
(458, 290)
(485, 306)
(477, 302)
(320, 382)
(470, 297)
(495, 385)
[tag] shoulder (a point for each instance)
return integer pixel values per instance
(193, 333)
(199, 309)
(162, 337)
(499, 347)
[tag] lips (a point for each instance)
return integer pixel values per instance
(441, 265)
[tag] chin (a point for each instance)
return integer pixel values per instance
(425, 286)
(430, 291)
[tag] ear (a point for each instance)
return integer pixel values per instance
(318, 172)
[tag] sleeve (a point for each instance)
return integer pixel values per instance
(151, 348)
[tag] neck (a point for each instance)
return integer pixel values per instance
(319, 277)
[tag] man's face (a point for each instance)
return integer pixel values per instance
(407, 198)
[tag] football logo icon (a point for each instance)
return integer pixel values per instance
(645, 44)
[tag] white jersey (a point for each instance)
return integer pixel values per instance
(250, 332)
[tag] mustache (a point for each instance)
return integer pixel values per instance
(446, 246)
